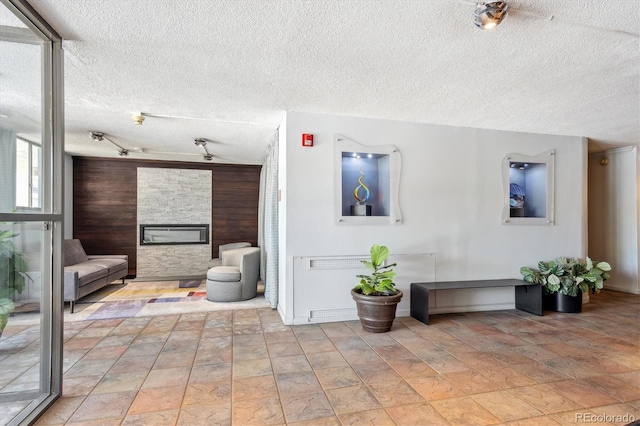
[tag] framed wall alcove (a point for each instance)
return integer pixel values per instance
(528, 183)
(367, 181)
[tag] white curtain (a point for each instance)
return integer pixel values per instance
(268, 223)
(7, 170)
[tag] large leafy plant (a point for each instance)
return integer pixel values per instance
(380, 281)
(13, 275)
(568, 275)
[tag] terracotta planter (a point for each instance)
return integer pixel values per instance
(376, 313)
(562, 303)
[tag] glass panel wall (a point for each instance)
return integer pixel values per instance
(24, 359)
(21, 112)
(31, 170)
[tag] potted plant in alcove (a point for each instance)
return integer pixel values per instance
(565, 279)
(376, 295)
(13, 275)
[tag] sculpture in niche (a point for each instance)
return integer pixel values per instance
(367, 180)
(361, 208)
(528, 185)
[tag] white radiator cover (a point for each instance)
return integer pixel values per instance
(322, 284)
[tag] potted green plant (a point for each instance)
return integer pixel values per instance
(565, 279)
(376, 295)
(13, 275)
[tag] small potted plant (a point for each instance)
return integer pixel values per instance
(376, 295)
(565, 279)
(13, 275)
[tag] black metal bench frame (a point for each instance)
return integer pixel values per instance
(528, 296)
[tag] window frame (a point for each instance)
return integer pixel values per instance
(31, 145)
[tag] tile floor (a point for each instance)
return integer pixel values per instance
(244, 367)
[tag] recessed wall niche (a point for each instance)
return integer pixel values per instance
(367, 179)
(528, 187)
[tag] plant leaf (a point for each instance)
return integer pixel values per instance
(584, 287)
(553, 279)
(599, 284)
(525, 271)
(589, 264)
(379, 254)
(6, 306)
(603, 266)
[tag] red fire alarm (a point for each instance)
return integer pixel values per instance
(307, 139)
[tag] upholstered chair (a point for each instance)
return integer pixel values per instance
(237, 277)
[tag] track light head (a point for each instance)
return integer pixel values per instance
(208, 157)
(123, 152)
(200, 142)
(489, 14)
(96, 136)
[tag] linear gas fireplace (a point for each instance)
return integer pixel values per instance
(173, 234)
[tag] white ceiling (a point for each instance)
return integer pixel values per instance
(234, 67)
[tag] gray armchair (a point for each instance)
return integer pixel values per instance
(237, 277)
(217, 261)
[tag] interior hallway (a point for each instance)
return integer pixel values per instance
(244, 367)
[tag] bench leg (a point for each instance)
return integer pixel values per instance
(419, 300)
(529, 298)
(72, 305)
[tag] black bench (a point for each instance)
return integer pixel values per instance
(528, 296)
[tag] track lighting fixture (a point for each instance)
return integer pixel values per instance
(203, 143)
(99, 136)
(490, 14)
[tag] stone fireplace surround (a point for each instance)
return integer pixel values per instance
(173, 196)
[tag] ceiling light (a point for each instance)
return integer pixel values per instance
(137, 118)
(123, 152)
(200, 142)
(489, 14)
(208, 157)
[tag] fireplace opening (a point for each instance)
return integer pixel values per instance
(173, 234)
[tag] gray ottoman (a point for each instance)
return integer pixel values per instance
(223, 284)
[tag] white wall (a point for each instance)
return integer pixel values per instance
(614, 214)
(451, 197)
(285, 297)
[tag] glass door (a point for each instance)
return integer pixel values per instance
(31, 149)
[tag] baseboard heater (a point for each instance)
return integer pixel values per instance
(322, 284)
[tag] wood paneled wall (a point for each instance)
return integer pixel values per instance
(105, 203)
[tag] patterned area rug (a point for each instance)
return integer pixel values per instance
(135, 299)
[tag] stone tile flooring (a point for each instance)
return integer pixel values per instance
(244, 367)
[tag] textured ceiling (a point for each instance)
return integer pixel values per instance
(247, 62)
